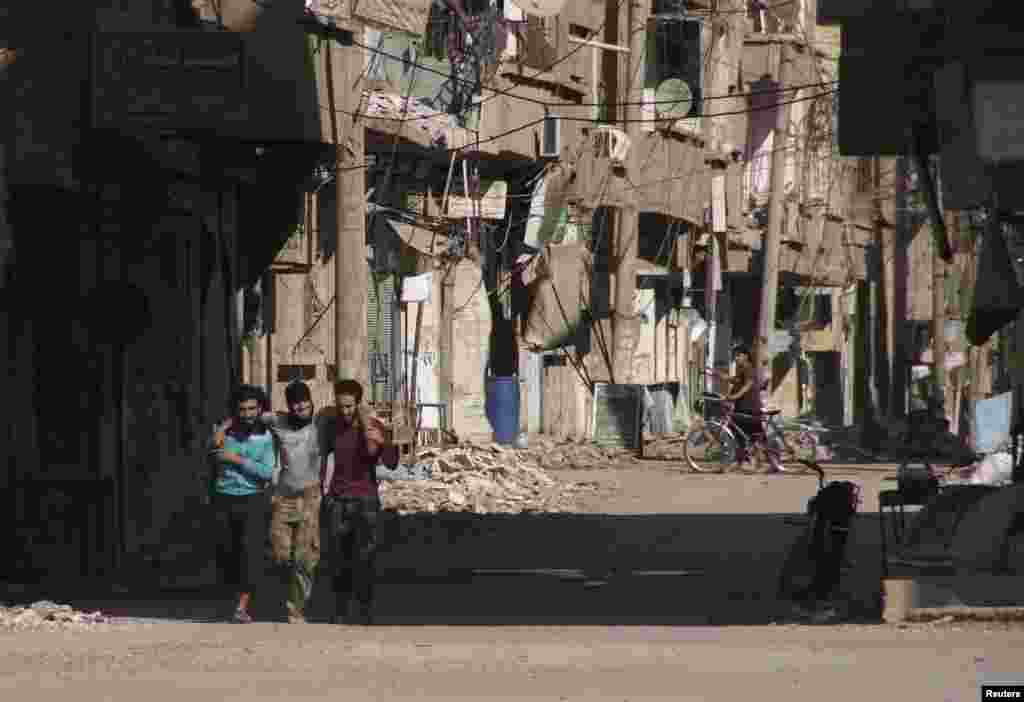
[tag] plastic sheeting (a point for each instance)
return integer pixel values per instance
(659, 414)
(557, 298)
(990, 423)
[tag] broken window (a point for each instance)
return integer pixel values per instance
(767, 17)
(443, 23)
(815, 311)
(539, 42)
(673, 77)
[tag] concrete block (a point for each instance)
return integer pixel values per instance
(905, 597)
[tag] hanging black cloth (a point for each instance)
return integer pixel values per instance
(997, 294)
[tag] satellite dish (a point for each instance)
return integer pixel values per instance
(673, 98)
(540, 8)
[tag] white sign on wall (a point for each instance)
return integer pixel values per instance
(491, 203)
(416, 288)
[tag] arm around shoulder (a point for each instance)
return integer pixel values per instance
(261, 463)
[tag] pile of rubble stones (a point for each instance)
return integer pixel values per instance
(665, 447)
(567, 454)
(49, 616)
(484, 479)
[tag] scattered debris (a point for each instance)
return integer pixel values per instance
(994, 469)
(484, 479)
(944, 615)
(666, 447)
(416, 471)
(50, 616)
(568, 454)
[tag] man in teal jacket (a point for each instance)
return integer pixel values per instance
(244, 454)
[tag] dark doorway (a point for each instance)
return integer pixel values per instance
(828, 387)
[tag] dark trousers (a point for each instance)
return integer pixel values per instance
(750, 426)
(241, 534)
(349, 543)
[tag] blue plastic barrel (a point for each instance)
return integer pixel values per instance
(502, 407)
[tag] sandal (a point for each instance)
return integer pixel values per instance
(241, 617)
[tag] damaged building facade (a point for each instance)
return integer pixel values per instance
(528, 262)
(152, 158)
(168, 228)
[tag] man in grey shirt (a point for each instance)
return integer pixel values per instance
(295, 514)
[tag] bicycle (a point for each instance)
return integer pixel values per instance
(813, 567)
(715, 443)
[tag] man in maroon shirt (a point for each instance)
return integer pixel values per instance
(351, 501)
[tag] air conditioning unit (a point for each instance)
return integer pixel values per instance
(611, 143)
(551, 139)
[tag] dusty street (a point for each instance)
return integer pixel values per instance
(261, 661)
(662, 588)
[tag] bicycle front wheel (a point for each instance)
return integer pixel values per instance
(793, 446)
(709, 448)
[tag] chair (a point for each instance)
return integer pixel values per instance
(914, 488)
(427, 436)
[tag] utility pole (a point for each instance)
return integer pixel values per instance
(351, 271)
(776, 211)
(954, 388)
(633, 17)
(871, 435)
(939, 346)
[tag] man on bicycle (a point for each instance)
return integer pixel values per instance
(741, 392)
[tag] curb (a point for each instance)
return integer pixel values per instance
(964, 597)
(976, 614)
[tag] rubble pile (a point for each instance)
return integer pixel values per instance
(488, 479)
(49, 616)
(665, 447)
(566, 454)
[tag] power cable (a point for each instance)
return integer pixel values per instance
(761, 6)
(546, 103)
(535, 122)
(437, 220)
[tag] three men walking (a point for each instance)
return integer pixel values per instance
(324, 497)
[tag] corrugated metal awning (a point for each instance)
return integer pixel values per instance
(675, 182)
(819, 248)
(405, 15)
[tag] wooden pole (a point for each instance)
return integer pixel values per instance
(445, 346)
(773, 235)
(633, 16)
(954, 390)
(350, 265)
(412, 415)
(939, 329)
(974, 353)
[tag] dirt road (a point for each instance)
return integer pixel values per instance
(661, 588)
(260, 661)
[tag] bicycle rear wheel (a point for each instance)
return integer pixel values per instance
(709, 448)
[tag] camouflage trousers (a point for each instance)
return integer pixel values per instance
(295, 544)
